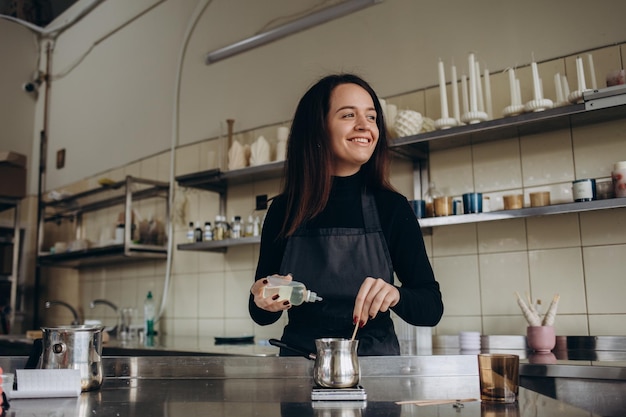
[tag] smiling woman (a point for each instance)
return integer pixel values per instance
(342, 230)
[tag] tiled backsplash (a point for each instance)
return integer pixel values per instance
(480, 266)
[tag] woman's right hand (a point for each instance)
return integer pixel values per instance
(269, 303)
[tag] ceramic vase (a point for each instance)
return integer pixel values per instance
(541, 338)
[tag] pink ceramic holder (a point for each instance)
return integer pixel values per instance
(541, 338)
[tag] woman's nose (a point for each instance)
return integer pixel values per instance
(361, 123)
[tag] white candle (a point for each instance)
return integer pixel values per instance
(559, 88)
(455, 95)
(512, 88)
(479, 89)
(464, 93)
(442, 91)
(518, 92)
(488, 94)
(580, 74)
(565, 86)
(592, 71)
(472, 84)
(536, 86)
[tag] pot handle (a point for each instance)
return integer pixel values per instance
(281, 344)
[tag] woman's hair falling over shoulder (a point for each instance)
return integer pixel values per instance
(308, 170)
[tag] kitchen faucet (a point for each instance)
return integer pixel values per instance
(63, 303)
(93, 303)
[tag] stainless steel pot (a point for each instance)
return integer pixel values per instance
(336, 361)
(74, 347)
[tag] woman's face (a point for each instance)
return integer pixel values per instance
(352, 128)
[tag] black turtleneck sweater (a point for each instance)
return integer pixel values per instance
(420, 298)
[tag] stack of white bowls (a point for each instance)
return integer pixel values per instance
(469, 342)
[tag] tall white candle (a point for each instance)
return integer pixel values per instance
(442, 91)
(518, 92)
(464, 93)
(580, 74)
(472, 84)
(488, 105)
(455, 95)
(565, 86)
(536, 86)
(479, 89)
(512, 88)
(592, 71)
(559, 88)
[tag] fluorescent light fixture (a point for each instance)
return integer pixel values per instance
(287, 29)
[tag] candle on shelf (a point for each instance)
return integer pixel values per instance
(479, 89)
(565, 86)
(536, 85)
(464, 93)
(512, 87)
(580, 74)
(592, 71)
(488, 94)
(442, 91)
(455, 95)
(473, 101)
(518, 92)
(559, 88)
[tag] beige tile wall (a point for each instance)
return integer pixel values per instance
(479, 266)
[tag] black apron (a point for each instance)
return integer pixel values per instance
(334, 262)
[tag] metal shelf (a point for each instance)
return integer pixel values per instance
(105, 255)
(524, 212)
(73, 207)
(600, 106)
(219, 245)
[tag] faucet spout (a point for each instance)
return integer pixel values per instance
(94, 303)
(97, 301)
(66, 305)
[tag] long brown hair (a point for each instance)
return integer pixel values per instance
(308, 170)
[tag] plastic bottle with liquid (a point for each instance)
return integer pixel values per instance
(198, 233)
(235, 227)
(293, 291)
(149, 312)
(208, 231)
(190, 233)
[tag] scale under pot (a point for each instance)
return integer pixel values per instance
(338, 394)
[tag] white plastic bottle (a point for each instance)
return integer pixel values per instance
(149, 311)
(293, 291)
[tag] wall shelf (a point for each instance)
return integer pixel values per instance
(73, 207)
(576, 207)
(595, 110)
(599, 106)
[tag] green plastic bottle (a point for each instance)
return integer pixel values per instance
(149, 312)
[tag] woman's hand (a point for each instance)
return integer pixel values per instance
(271, 303)
(374, 296)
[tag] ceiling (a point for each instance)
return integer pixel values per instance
(37, 12)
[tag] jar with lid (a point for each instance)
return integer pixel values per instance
(220, 230)
(429, 198)
(190, 233)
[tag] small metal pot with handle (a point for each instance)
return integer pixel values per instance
(336, 361)
(74, 347)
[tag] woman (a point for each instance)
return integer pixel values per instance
(340, 228)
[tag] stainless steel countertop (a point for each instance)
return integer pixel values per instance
(271, 386)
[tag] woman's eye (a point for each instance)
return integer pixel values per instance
(372, 117)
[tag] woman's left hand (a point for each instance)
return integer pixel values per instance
(375, 295)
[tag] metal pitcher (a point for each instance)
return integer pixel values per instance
(336, 363)
(74, 347)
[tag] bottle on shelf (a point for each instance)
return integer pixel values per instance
(190, 233)
(149, 312)
(220, 230)
(197, 233)
(429, 198)
(248, 229)
(235, 227)
(293, 291)
(208, 231)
